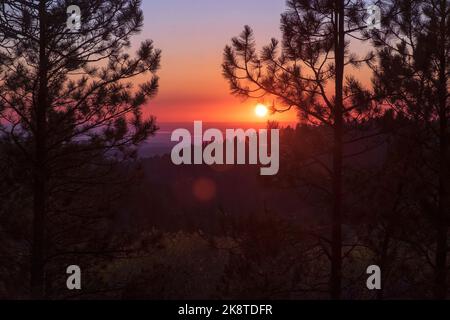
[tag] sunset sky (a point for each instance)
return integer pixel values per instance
(192, 36)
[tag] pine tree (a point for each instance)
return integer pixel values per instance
(310, 71)
(412, 76)
(67, 95)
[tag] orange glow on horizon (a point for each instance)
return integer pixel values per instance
(192, 86)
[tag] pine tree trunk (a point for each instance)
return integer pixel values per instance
(39, 169)
(336, 251)
(440, 291)
(442, 219)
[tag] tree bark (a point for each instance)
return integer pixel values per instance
(440, 291)
(37, 271)
(336, 252)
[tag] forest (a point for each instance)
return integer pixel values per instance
(364, 174)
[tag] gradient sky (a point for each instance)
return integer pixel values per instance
(192, 35)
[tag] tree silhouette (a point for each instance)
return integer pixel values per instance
(307, 72)
(67, 99)
(412, 74)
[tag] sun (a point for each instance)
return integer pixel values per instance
(261, 110)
